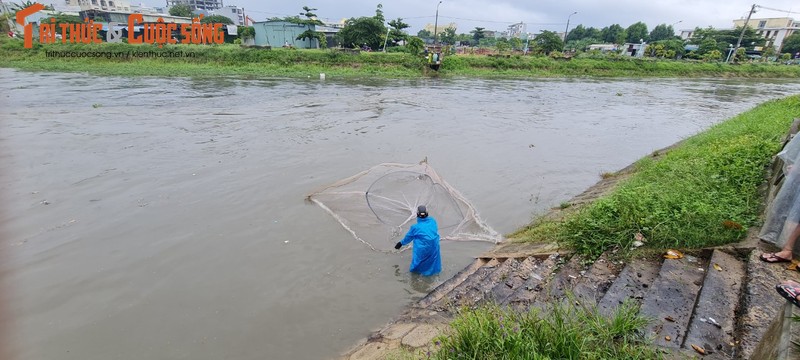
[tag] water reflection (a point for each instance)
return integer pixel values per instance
(419, 285)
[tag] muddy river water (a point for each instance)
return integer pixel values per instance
(149, 218)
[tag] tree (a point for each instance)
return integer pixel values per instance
(379, 14)
(181, 10)
(478, 34)
(576, 33)
(791, 44)
(415, 45)
(708, 45)
(488, 42)
(768, 53)
(362, 31)
(662, 32)
(614, 34)
(675, 46)
(63, 19)
(216, 19)
(4, 21)
(713, 55)
(246, 32)
(502, 45)
(516, 43)
(311, 21)
(424, 34)
(547, 42)
(727, 38)
(19, 6)
(637, 32)
(396, 34)
(449, 35)
(592, 33)
(582, 44)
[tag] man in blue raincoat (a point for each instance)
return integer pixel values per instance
(426, 259)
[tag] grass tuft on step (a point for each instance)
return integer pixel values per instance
(562, 331)
(702, 193)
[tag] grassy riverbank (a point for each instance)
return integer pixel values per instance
(699, 194)
(232, 60)
(565, 332)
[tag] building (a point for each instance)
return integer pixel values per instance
(634, 49)
(517, 30)
(107, 5)
(686, 34)
(236, 14)
(282, 33)
(775, 30)
(144, 9)
(440, 27)
(120, 17)
(604, 47)
(198, 4)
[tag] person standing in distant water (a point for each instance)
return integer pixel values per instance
(426, 258)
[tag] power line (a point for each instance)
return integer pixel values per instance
(778, 10)
(499, 22)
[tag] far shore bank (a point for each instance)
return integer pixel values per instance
(233, 60)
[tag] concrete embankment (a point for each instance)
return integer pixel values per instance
(719, 301)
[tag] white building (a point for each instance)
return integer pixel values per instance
(144, 9)
(236, 14)
(108, 5)
(772, 29)
(198, 4)
(517, 30)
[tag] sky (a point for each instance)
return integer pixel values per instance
(538, 15)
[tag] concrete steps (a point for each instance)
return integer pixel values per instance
(715, 300)
(455, 297)
(513, 281)
(447, 286)
(713, 323)
(533, 285)
(630, 285)
(671, 298)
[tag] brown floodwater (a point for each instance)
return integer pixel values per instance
(150, 218)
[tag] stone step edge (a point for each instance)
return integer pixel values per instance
(448, 285)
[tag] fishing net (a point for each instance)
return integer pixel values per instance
(378, 206)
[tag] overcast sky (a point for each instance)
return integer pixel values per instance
(538, 15)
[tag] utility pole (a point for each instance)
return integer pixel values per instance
(566, 31)
(739, 42)
(436, 24)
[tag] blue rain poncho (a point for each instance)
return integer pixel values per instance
(426, 259)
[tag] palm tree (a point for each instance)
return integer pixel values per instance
(19, 6)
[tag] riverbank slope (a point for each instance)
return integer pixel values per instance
(679, 295)
(233, 60)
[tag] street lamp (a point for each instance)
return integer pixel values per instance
(387, 38)
(673, 26)
(730, 51)
(641, 48)
(436, 24)
(566, 31)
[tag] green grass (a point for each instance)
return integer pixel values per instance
(233, 60)
(702, 193)
(566, 332)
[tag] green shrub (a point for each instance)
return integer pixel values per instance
(562, 331)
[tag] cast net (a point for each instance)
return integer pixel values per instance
(378, 206)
